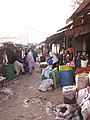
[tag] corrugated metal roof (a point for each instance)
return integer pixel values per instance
(56, 37)
(83, 5)
(66, 27)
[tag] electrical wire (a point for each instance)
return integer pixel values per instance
(36, 30)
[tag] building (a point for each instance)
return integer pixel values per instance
(76, 34)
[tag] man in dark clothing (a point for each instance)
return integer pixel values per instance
(18, 66)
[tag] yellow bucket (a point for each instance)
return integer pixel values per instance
(65, 68)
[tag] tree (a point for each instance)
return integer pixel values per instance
(75, 3)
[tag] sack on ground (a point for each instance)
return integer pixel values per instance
(82, 80)
(69, 91)
(45, 84)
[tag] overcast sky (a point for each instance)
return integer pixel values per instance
(33, 20)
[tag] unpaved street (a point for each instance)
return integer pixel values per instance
(25, 102)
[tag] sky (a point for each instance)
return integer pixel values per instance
(32, 21)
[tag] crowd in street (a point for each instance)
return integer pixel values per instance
(65, 57)
(22, 64)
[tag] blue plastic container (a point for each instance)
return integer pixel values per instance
(66, 77)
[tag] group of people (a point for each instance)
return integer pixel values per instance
(23, 65)
(65, 57)
(81, 59)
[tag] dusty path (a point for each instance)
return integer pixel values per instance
(26, 102)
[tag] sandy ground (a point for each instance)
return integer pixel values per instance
(25, 102)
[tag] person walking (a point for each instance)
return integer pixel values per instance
(30, 61)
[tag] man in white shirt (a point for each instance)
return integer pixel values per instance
(54, 58)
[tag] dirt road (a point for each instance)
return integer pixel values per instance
(24, 102)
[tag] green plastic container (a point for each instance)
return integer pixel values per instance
(9, 72)
(54, 76)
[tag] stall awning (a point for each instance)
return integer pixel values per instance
(66, 27)
(55, 38)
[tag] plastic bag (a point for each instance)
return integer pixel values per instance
(85, 109)
(82, 94)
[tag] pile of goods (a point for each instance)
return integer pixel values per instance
(83, 69)
(83, 101)
(66, 112)
(76, 100)
(76, 104)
